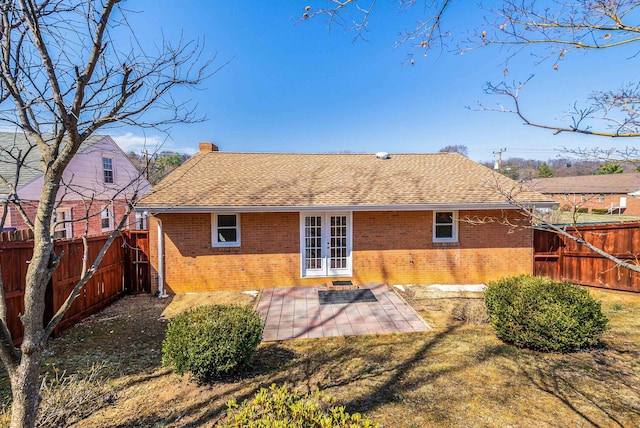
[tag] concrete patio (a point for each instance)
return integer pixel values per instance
(296, 313)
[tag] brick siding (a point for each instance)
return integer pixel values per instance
(591, 201)
(392, 247)
(78, 214)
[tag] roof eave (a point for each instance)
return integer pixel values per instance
(294, 208)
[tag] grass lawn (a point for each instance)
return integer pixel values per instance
(458, 374)
(582, 218)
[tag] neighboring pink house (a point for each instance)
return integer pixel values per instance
(93, 197)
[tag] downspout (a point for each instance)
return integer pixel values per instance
(161, 292)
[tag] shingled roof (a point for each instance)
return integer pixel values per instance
(16, 146)
(359, 181)
(588, 184)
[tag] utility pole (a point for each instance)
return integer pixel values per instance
(498, 164)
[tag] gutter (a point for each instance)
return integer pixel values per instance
(293, 208)
(161, 293)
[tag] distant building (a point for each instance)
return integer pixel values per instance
(608, 193)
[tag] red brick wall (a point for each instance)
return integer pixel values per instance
(593, 201)
(78, 213)
(398, 248)
(392, 247)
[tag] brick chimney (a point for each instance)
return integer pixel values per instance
(205, 146)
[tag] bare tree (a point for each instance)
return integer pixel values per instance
(458, 148)
(64, 76)
(550, 31)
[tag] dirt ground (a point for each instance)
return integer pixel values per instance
(458, 374)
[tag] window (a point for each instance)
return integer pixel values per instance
(63, 226)
(226, 230)
(583, 198)
(107, 169)
(601, 198)
(141, 220)
(445, 226)
(106, 218)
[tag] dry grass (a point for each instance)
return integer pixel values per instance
(183, 302)
(455, 375)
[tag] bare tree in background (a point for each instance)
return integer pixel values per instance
(64, 76)
(458, 148)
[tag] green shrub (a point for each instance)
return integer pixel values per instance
(283, 408)
(582, 210)
(211, 341)
(599, 210)
(542, 314)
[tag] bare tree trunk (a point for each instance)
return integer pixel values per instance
(24, 379)
(24, 388)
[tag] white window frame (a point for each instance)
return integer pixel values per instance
(109, 210)
(65, 224)
(141, 220)
(113, 169)
(454, 224)
(215, 228)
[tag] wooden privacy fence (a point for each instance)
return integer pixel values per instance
(107, 284)
(563, 259)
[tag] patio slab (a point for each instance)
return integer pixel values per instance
(390, 314)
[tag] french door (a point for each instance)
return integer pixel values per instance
(325, 244)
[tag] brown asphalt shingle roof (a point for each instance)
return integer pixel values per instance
(588, 184)
(221, 179)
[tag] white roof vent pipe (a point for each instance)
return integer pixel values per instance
(383, 155)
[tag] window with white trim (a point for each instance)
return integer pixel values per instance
(106, 218)
(141, 220)
(445, 226)
(107, 169)
(225, 230)
(63, 226)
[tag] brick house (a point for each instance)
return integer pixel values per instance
(610, 193)
(256, 220)
(96, 186)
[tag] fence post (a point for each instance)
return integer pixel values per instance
(560, 263)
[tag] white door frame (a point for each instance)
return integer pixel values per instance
(325, 269)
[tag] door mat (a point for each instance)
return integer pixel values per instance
(341, 285)
(332, 297)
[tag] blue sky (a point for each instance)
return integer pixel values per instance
(295, 86)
